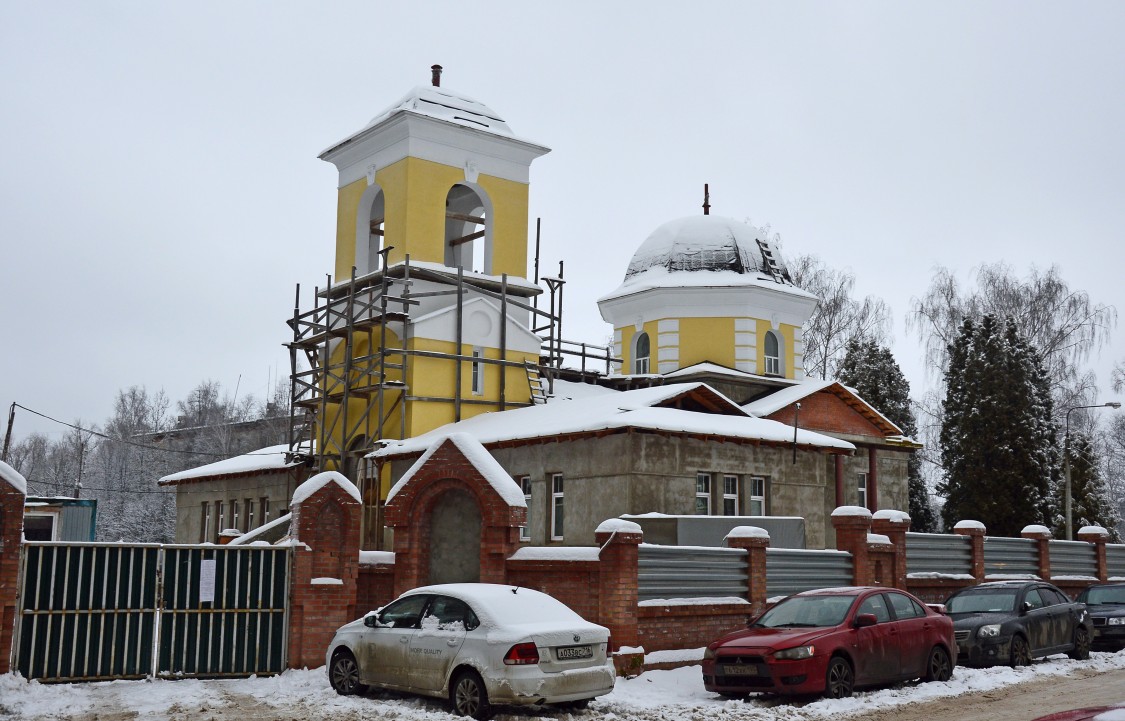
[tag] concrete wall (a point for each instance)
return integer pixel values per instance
(277, 487)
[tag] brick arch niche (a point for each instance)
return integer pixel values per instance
(435, 517)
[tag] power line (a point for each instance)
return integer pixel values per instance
(130, 443)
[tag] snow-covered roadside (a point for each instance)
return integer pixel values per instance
(305, 694)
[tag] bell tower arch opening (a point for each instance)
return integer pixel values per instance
(369, 229)
(468, 230)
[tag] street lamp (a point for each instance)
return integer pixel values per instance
(1066, 460)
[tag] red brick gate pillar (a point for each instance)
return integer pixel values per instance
(852, 524)
(617, 579)
(1042, 537)
(894, 525)
(322, 585)
(1097, 536)
(975, 530)
(755, 540)
(13, 493)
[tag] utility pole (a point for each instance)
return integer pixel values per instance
(8, 434)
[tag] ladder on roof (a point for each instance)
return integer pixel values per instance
(771, 262)
(536, 383)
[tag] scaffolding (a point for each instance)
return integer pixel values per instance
(329, 367)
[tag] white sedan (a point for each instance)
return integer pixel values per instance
(476, 644)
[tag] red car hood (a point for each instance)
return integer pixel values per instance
(771, 639)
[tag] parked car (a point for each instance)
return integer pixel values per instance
(830, 641)
(1014, 622)
(476, 644)
(1106, 604)
(1092, 713)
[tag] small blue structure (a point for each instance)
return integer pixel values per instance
(58, 518)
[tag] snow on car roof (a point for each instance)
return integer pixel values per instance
(501, 605)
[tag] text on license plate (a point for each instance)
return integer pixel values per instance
(740, 670)
(568, 652)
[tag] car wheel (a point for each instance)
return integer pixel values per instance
(343, 674)
(1081, 650)
(1020, 654)
(839, 680)
(939, 667)
(468, 696)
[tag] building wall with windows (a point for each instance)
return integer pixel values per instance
(207, 506)
(636, 473)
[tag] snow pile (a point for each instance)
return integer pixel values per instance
(841, 511)
(376, 558)
(969, 525)
(1094, 529)
(696, 601)
(747, 532)
(891, 515)
(477, 455)
(618, 525)
(13, 477)
(556, 553)
(1037, 530)
(878, 538)
(321, 480)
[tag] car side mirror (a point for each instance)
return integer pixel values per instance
(1025, 607)
(372, 620)
(865, 619)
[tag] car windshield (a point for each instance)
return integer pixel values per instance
(807, 612)
(983, 600)
(1110, 595)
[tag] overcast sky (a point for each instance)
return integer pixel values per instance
(161, 194)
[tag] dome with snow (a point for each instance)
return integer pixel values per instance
(709, 242)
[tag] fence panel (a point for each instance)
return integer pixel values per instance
(87, 611)
(224, 610)
(690, 572)
(1073, 558)
(91, 611)
(790, 571)
(938, 553)
(1010, 557)
(1115, 560)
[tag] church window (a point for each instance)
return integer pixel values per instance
(641, 353)
(369, 231)
(773, 354)
(478, 372)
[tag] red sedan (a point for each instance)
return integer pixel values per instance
(830, 641)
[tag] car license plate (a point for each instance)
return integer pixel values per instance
(740, 670)
(567, 653)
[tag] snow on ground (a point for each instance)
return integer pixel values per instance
(305, 694)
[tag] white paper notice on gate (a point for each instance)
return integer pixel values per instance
(207, 581)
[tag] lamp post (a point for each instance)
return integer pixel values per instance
(1066, 460)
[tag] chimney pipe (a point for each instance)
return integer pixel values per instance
(435, 76)
(706, 200)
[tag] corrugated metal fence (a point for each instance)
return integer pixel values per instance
(791, 571)
(1073, 558)
(938, 553)
(690, 572)
(103, 611)
(1115, 560)
(1010, 557)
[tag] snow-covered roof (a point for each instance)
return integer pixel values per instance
(321, 480)
(646, 408)
(13, 478)
(787, 396)
(481, 459)
(271, 458)
(266, 529)
(715, 369)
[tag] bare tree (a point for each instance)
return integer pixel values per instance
(838, 318)
(1064, 325)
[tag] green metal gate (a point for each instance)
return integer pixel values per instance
(92, 611)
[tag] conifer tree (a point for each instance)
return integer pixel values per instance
(997, 439)
(1090, 503)
(872, 371)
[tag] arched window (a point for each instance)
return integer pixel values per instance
(369, 231)
(467, 239)
(641, 353)
(773, 353)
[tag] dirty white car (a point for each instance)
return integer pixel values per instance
(476, 644)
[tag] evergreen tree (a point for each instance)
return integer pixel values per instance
(997, 442)
(1090, 502)
(872, 371)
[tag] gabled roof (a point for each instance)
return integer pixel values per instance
(263, 460)
(693, 409)
(787, 396)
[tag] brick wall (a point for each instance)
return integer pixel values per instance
(375, 587)
(11, 538)
(575, 583)
(662, 628)
(326, 525)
